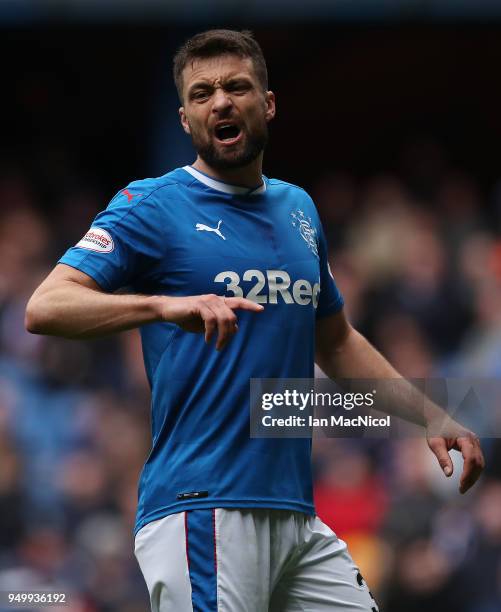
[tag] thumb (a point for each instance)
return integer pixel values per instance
(438, 447)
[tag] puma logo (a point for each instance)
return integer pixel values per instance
(201, 227)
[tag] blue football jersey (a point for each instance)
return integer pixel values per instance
(188, 234)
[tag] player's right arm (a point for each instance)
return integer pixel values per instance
(128, 242)
(71, 304)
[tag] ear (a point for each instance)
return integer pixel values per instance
(184, 120)
(270, 105)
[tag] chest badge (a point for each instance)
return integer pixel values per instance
(306, 229)
(201, 227)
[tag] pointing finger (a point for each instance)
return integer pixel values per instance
(243, 304)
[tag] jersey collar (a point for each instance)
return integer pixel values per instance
(224, 187)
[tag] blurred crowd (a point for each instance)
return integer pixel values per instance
(418, 259)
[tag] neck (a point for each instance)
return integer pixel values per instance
(247, 176)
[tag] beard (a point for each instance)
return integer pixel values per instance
(245, 152)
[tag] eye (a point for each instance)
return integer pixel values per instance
(199, 95)
(238, 87)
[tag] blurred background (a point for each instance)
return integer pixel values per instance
(389, 115)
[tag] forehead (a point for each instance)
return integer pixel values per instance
(219, 68)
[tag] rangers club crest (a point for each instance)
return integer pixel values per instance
(306, 230)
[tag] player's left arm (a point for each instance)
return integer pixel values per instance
(343, 353)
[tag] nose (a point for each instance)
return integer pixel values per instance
(221, 101)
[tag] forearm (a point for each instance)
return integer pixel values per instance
(74, 311)
(356, 359)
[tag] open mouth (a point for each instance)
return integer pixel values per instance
(227, 133)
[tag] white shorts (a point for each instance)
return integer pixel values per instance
(256, 560)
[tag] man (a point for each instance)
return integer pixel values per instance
(225, 522)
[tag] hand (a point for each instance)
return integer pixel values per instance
(454, 436)
(208, 313)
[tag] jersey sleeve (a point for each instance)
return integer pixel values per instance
(124, 242)
(330, 300)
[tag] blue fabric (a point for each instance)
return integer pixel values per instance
(202, 561)
(148, 240)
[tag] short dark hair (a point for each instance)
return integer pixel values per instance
(213, 43)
